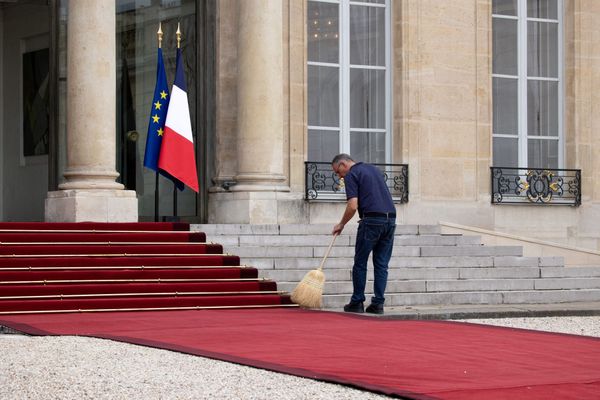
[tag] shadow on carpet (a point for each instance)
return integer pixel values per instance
(409, 359)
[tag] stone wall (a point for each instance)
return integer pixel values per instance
(442, 115)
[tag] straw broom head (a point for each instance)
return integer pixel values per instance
(310, 289)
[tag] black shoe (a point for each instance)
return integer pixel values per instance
(357, 307)
(375, 309)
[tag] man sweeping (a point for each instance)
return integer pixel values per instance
(367, 192)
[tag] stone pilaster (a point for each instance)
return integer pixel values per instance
(90, 192)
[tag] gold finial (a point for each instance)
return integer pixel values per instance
(178, 36)
(159, 33)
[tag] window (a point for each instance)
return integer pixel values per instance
(349, 79)
(527, 83)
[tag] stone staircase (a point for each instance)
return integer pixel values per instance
(427, 267)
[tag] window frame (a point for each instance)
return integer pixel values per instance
(344, 70)
(523, 79)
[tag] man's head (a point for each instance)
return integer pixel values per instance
(341, 164)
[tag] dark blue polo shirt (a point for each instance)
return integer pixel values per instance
(365, 181)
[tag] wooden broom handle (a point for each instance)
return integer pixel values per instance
(335, 235)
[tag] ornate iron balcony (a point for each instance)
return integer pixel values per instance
(537, 186)
(322, 184)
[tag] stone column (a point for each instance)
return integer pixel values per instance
(90, 192)
(259, 180)
(260, 97)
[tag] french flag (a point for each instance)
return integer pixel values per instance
(177, 154)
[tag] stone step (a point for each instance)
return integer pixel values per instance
(395, 262)
(499, 273)
(570, 272)
(301, 229)
(571, 277)
(339, 274)
(476, 285)
(253, 252)
(404, 262)
(567, 283)
(426, 268)
(346, 240)
(477, 297)
(294, 276)
(345, 287)
(398, 251)
(450, 251)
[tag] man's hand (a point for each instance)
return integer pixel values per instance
(351, 207)
(337, 229)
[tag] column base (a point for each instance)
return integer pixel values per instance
(91, 205)
(228, 207)
(259, 183)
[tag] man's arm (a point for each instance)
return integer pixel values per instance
(351, 207)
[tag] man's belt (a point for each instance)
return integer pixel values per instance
(380, 214)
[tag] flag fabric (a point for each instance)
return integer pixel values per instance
(177, 153)
(158, 113)
(158, 116)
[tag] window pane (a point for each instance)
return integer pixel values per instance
(506, 153)
(367, 98)
(504, 46)
(323, 145)
(542, 108)
(542, 153)
(323, 96)
(542, 49)
(367, 35)
(547, 9)
(504, 7)
(368, 146)
(323, 32)
(505, 103)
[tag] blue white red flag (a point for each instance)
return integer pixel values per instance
(177, 152)
(158, 117)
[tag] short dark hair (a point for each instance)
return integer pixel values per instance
(341, 157)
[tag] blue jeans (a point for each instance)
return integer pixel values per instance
(375, 234)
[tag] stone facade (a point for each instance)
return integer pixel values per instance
(441, 122)
(442, 113)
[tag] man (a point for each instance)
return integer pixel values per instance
(367, 192)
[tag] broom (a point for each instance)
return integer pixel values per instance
(310, 289)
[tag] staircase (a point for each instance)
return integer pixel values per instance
(427, 267)
(76, 267)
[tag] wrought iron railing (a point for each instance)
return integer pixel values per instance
(322, 184)
(538, 186)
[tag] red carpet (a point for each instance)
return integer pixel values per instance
(103, 226)
(411, 359)
(73, 267)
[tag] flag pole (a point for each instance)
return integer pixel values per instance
(178, 34)
(159, 35)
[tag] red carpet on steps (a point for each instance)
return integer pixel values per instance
(104, 226)
(410, 359)
(73, 267)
